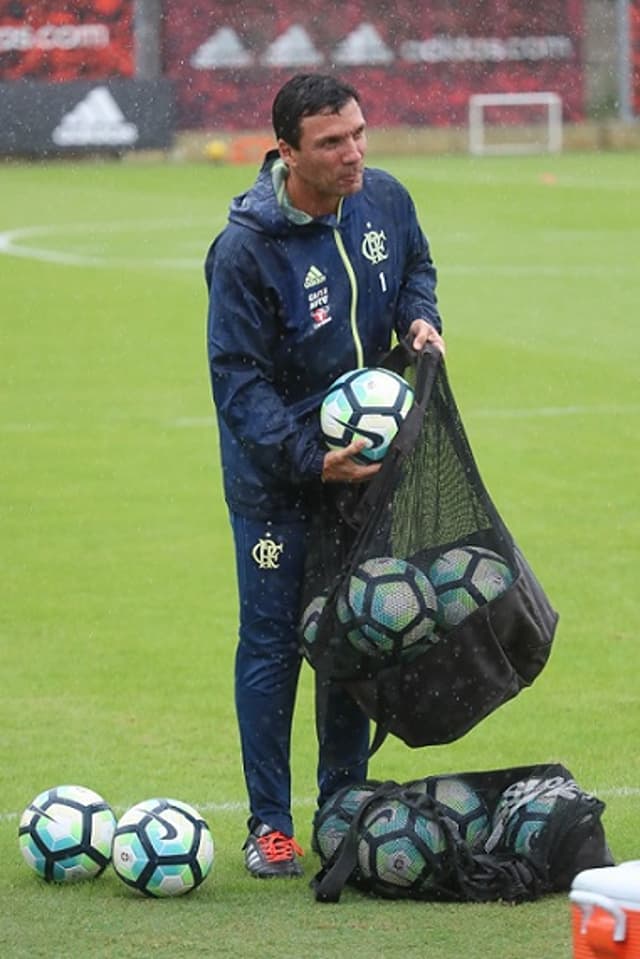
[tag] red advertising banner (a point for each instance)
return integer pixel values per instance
(60, 40)
(635, 56)
(413, 62)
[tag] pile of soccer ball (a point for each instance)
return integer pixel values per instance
(390, 607)
(403, 845)
(159, 847)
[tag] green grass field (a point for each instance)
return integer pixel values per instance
(118, 595)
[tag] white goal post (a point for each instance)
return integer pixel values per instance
(552, 128)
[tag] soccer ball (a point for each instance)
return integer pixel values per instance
(465, 578)
(389, 607)
(400, 848)
(162, 847)
(521, 815)
(333, 820)
(366, 404)
(464, 809)
(310, 619)
(65, 834)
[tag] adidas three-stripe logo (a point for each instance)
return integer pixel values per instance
(95, 120)
(314, 277)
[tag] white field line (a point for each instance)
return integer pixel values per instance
(12, 243)
(180, 423)
(207, 422)
(430, 173)
(603, 409)
(208, 808)
(16, 243)
(233, 806)
(560, 270)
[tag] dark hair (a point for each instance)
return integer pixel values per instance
(305, 95)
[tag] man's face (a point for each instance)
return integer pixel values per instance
(329, 162)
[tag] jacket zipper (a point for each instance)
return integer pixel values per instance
(354, 299)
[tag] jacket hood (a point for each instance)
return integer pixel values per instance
(263, 207)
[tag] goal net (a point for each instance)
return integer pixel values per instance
(515, 123)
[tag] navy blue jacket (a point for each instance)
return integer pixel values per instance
(293, 305)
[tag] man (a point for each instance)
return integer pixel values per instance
(320, 263)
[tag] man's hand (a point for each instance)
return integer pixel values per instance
(340, 467)
(423, 333)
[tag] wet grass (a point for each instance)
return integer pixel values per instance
(118, 615)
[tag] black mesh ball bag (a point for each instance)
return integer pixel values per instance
(416, 598)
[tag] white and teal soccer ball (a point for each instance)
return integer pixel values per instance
(310, 619)
(333, 820)
(369, 404)
(389, 607)
(465, 578)
(522, 814)
(462, 806)
(400, 848)
(65, 834)
(162, 847)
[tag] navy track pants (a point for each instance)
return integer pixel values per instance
(270, 561)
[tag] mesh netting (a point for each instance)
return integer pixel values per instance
(414, 840)
(427, 503)
(427, 498)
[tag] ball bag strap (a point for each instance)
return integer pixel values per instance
(329, 882)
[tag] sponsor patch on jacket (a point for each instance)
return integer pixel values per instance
(319, 306)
